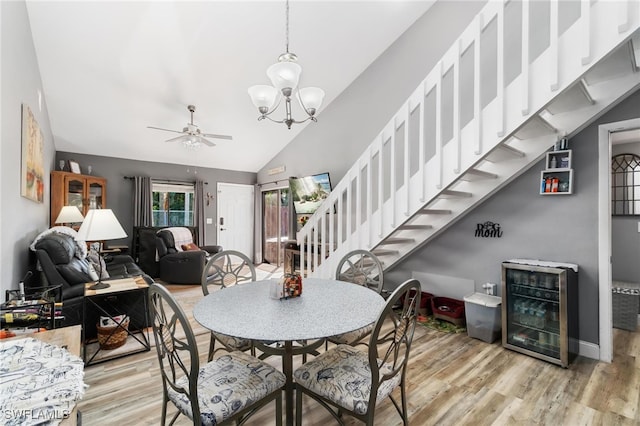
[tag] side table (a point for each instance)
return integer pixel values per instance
(36, 311)
(127, 296)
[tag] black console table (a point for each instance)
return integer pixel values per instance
(126, 296)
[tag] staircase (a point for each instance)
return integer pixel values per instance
(521, 76)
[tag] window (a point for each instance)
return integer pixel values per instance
(172, 204)
(625, 185)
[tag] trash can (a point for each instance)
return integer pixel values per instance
(483, 316)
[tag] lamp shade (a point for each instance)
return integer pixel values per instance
(263, 96)
(100, 225)
(284, 75)
(311, 98)
(69, 214)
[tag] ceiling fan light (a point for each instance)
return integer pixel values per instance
(191, 143)
(311, 98)
(263, 96)
(284, 75)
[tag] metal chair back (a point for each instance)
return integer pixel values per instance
(227, 268)
(176, 347)
(361, 267)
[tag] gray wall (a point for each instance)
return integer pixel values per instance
(349, 124)
(557, 228)
(625, 238)
(20, 218)
(120, 190)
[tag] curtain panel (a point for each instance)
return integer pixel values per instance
(142, 201)
(198, 211)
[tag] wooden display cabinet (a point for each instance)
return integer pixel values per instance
(73, 189)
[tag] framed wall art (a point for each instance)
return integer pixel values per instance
(32, 168)
(74, 167)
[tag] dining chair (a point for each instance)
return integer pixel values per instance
(229, 389)
(227, 268)
(224, 269)
(363, 268)
(347, 380)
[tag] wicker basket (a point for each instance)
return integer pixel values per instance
(110, 339)
(625, 305)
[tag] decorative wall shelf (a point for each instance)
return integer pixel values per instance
(557, 178)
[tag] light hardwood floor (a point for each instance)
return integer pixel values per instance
(452, 380)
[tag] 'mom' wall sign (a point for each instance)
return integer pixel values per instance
(488, 230)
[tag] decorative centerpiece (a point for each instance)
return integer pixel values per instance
(291, 286)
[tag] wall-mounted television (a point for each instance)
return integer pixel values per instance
(309, 192)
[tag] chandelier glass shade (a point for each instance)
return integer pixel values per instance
(285, 76)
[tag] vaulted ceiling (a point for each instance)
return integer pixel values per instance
(109, 69)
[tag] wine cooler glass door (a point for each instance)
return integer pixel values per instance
(533, 315)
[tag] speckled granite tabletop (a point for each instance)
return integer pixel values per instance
(326, 308)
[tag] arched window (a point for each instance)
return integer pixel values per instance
(625, 185)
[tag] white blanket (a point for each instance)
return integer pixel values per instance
(81, 245)
(181, 236)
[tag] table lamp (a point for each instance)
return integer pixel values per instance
(100, 225)
(69, 215)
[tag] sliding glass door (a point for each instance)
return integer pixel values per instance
(275, 224)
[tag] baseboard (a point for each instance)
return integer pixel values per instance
(589, 350)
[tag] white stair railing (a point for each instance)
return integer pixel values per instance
(445, 129)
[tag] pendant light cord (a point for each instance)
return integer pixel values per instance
(287, 25)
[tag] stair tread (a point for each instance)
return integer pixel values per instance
(384, 252)
(434, 211)
(397, 240)
(404, 227)
(452, 193)
(475, 174)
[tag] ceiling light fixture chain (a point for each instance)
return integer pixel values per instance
(287, 25)
(285, 75)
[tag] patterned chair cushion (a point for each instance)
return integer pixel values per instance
(353, 336)
(343, 375)
(232, 342)
(227, 385)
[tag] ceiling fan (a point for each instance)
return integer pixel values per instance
(191, 136)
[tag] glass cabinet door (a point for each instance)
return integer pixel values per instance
(73, 189)
(75, 193)
(95, 195)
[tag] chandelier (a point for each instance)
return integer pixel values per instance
(284, 76)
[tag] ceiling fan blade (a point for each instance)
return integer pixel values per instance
(166, 130)
(179, 138)
(212, 135)
(204, 141)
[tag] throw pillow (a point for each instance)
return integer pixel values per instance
(98, 264)
(190, 246)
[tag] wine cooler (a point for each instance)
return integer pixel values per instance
(540, 309)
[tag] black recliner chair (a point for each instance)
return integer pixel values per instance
(181, 267)
(56, 254)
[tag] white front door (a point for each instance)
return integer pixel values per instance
(235, 227)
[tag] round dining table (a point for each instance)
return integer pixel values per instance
(325, 308)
